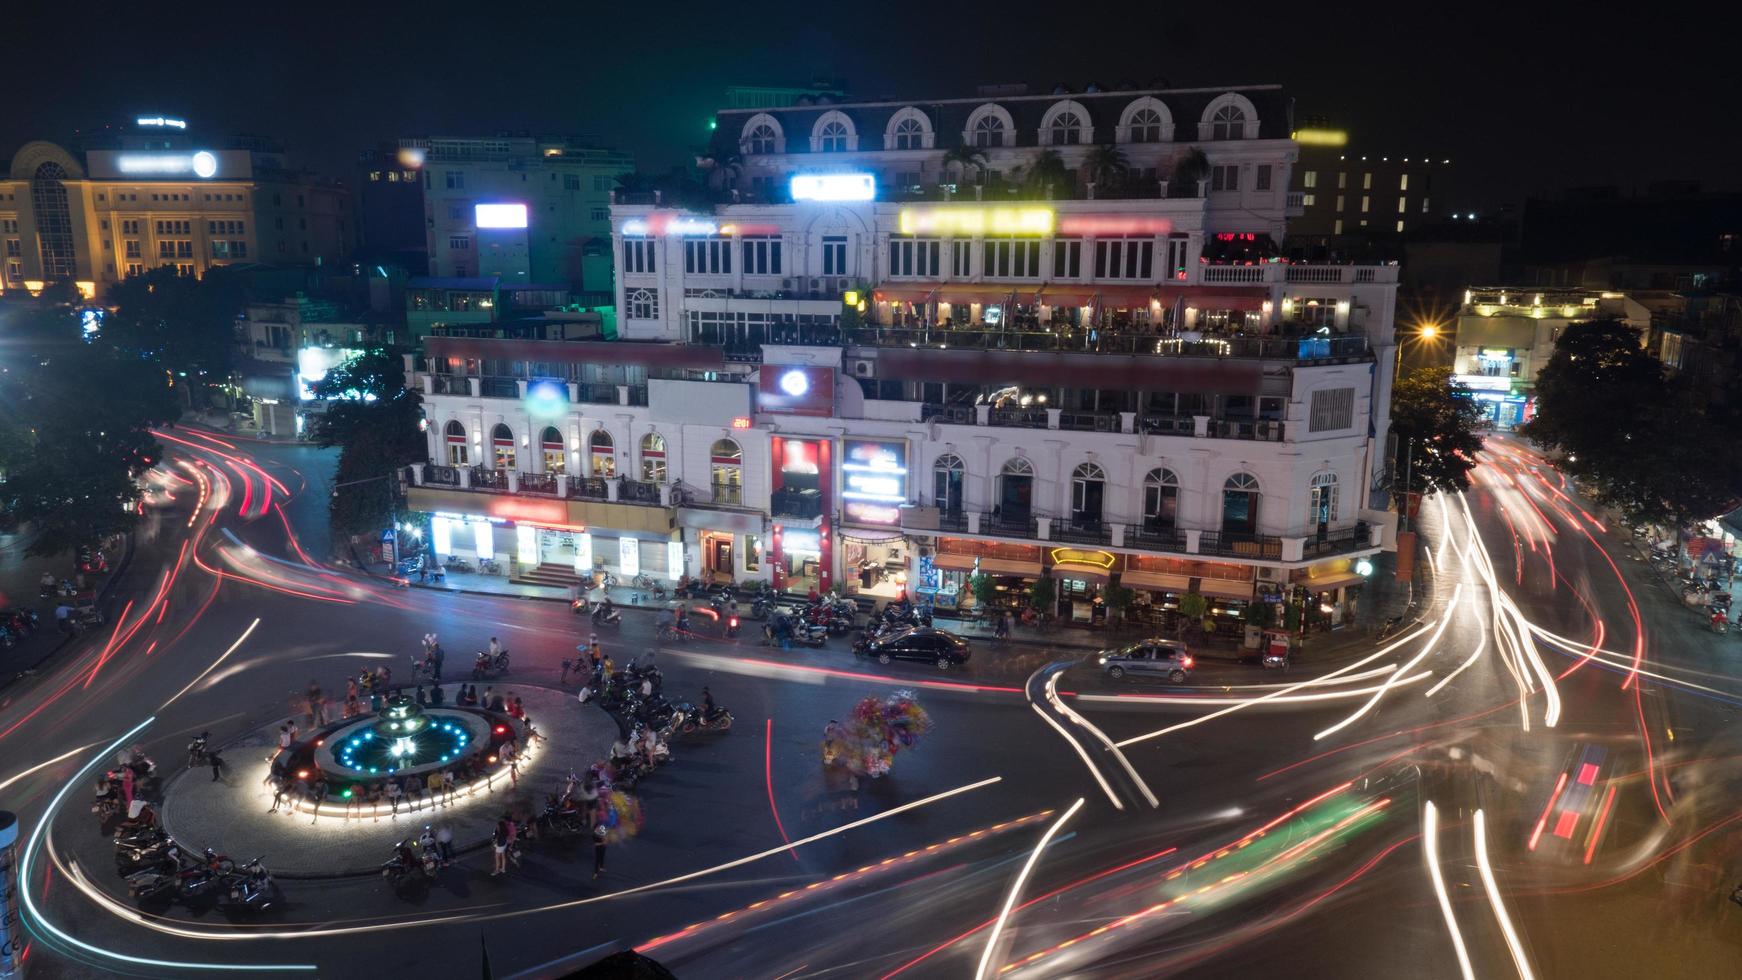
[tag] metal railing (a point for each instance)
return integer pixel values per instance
(538, 483)
(637, 492)
(589, 488)
(1183, 425)
(1156, 537)
(1082, 531)
(952, 520)
(1238, 544)
(957, 414)
(1089, 421)
(1260, 430)
(795, 504)
(449, 384)
(441, 476)
(728, 495)
(499, 387)
(1026, 418)
(1321, 544)
(1024, 526)
(484, 478)
(1114, 341)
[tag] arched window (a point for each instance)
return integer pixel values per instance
(1088, 488)
(458, 449)
(1160, 500)
(726, 462)
(502, 447)
(643, 304)
(832, 138)
(1240, 499)
(653, 458)
(909, 135)
(1066, 129)
(1324, 501)
(1015, 493)
(550, 443)
(603, 452)
(760, 140)
(989, 131)
(1229, 123)
(1145, 126)
(948, 476)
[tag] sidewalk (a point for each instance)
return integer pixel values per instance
(20, 587)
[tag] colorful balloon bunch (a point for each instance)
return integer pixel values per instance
(877, 729)
(624, 817)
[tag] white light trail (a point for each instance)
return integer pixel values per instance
(1183, 699)
(1426, 648)
(1053, 697)
(1016, 888)
(44, 765)
(1102, 780)
(1488, 883)
(1430, 848)
(215, 663)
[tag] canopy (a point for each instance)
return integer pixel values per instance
(1155, 581)
(1222, 588)
(1335, 581)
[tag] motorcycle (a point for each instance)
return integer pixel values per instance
(732, 627)
(719, 721)
(197, 750)
(604, 615)
(489, 566)
(1272, 661)
(647, 583)
(250, 889)
(810, 634)
(1720, 623)
(1390, 626)
(561, 816)
(405, 867)
(485, 664)
(458, 564)
(164, 856)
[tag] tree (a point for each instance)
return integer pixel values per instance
(721, 170)
(373, 418)
(1192, 167)
(1435, 421)
(1108, 168)
(1638, 439)
(1046, 173)
(1044, 594)
(185, 324)
(1118, 599)
(985, 591)
(964, 158)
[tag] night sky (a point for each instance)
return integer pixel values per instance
(1519, 99)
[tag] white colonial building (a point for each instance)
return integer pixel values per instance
(873, 390)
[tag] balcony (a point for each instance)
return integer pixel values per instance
(1237, 544)
(1329, 543)
(1295, 204)
(589, 488)
(1186, 344)
(956, 414)
(499, 387)
(1023, 526)
(637, 492)
(1082, 531)
(484, 478)
(441, 476)
(539, 483)
(1155, 537)
(1252, 429)
(728, 495)
(448, 384)
(1090, 421)
(800, 505)
(1023, 418)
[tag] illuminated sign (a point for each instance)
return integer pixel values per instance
(1483, 382)
(669, 223)
(202, 164)
(1108, 224)
(674, 559)
(976, 221)
(628, 557)
(806, 542)
(160, 122)
(1321, 137)
(794, 383)
(528, 511)
(741, 422)
(1078, 556)
(873, 480)
(834, 187)
(547, 399)
(500, 215)
(796, 390)
(410, 156)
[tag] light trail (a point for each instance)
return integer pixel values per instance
(1426, 648)
(1053, 698)
(221, 658)
(1382, 651)
(1189, 699)
(1542, 821)
(44, 765)
(1099, 779)
(768, 775)
(1016, 888)
(1430, 847)
(1481, 647)
(1486, 870)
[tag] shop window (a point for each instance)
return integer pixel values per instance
(727, 467)
(1088, 488)
(1240, 497)
(653, 458)
(502, 447)
(1160, 500)
(948, 477)
(752, 553)
(457, 448)
(603, 452)
(551, 443)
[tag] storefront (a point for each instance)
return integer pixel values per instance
(724, 545)
(1157, 585)
(874, 553)
(1081, 574)
(799, 565)
(1329, 592)
(874, 562)
(1503, 404)
(561, 536)
(802, 541)
(1011, 568)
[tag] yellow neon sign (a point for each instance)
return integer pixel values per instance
(1079, 556)
(970, 222)
(1321, 137)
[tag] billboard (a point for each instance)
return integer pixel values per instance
(873, 480)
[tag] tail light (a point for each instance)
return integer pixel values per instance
(732, 622)
(1186, 661)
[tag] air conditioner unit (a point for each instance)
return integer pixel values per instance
(786, 284)
(863, 369)
(1268, 574)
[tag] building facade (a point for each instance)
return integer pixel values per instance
(848, 391)
(150, 199)
(1347, 195)
(1506, 334)
(522, 209)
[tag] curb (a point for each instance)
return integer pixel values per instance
(108, 587)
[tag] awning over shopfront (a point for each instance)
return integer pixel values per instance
(1126, 297)
(949, 293)
(1333, 581)
(903, 294)
(989, 566)
(580, 515)
(866, 535)
(1221, 588)
(1155, 581)
(953, 563)
(1082, 572)
(1065, 296)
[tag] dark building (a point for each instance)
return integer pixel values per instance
(1672, 237)
(390, 205)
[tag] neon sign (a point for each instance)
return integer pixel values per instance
(669, 223)
(1106, 224)
(873, 480)
(202, 164)
(500, 215)
(834, 187)
(160, 122)
(1078, 556)
(1321, 137)
(741, 422)
(861, 512)
(976, 221)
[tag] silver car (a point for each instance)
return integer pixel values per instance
(1149, 658)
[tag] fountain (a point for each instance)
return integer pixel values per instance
(405, 739)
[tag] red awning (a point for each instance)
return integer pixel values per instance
(1065, 296)
(903, 294)
(1126, 297)
(982, 294)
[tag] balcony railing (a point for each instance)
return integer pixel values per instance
(952, 520)
(485, 478)
(499, 387)
(1320, 545)
(1089, 421)
(958, 414)
(1114, 341)
(1083, 531)
(590, 488)
(728, 494)
(1026, 418)
(1183, 425)
(637, 492)
(1237, 544)
(538, 483)
(1010, 526)
(1261, 431)
(1233, 273)
(441, 476)
(449, 384)
(1156, 537)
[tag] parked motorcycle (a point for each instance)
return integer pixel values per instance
(484, 664)
(732, 626)
(719, 721)
(250, 889)
(197, 750)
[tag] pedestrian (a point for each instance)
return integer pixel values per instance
(445, 844)
(294, 731)
(448, 787)
(432, 786)
(63, 618)
(599, 832)
(354, 798)
(511, 759)
(436, 656)
(279, 786)
(516, 709)
(436, 697)
(499, 845)
(513, 837)
(217, 764)
(127, 777)
(489, 692)
(317, 796)
(394, 792)
(284, 740)
(422, 699)
(374, 799)
(413, 786)
(317, 705)
(350, 688)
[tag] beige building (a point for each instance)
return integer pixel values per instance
(97, 216)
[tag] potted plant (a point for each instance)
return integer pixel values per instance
(985, 593)
(1194, 610)
(1118, 599)
(1044, 595)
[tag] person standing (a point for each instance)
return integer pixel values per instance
(599, 832)
(445, 844)
(217, 764)
(499, 846)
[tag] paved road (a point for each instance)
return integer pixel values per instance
(1265, 849)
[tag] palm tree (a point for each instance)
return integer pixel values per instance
(964, 157)
(1107, 167)
(722, 170)
(1047, 171)
(1191, 168)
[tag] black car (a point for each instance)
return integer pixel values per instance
(920, 643)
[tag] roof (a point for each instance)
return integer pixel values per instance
(465, 283)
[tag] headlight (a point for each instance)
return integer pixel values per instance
(1103, 660)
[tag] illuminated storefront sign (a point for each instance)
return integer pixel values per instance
(529, 511)
(976, 221)
(1483, 382)
(507, 215)
(583, 554)
(741, 422)
(669, 223)
(804, 542)
(1321, 137)
(834, 187)
(160, 122)
(674, 560)
(628, 557)
(1079, 556)
(202, 164)
(873, 480)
